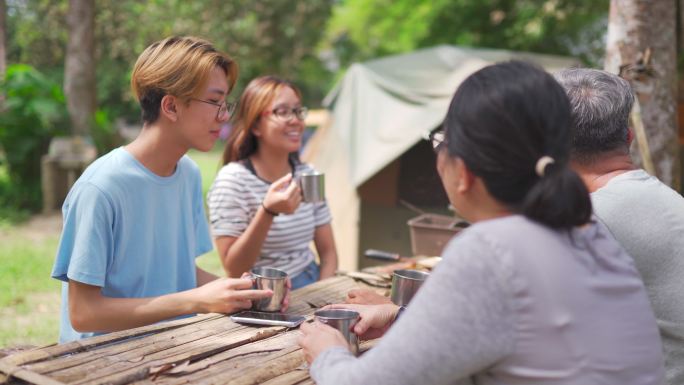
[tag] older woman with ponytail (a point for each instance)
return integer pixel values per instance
(536, 291)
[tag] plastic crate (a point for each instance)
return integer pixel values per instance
(431, 232)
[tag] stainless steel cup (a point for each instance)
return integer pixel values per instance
(268, 278)
(405, 284)
(313, 186)
(342, 320)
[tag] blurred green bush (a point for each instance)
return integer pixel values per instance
(34, 111)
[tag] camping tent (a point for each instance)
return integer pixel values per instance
(381, 109)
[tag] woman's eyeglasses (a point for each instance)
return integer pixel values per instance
(225, 109)
(436, 139)
(285, 114)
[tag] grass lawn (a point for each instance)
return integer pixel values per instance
(209, 164)
(29, 298)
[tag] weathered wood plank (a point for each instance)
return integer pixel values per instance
(333, 291)
(241, 361)
(28, 376)
(126, 371)
(52, 351)
(276, 367)
(130, 349)
(203, 349)
(224, 367)
(306, 300)
(297, 376)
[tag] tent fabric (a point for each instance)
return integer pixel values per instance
(379, 110)
(384, 106)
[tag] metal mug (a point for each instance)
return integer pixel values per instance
(268, 278)
(313, 186)
(342, 320)
(405, 284)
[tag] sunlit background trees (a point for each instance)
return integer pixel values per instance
(68, 61)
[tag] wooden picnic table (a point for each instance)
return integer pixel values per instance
(208, 349)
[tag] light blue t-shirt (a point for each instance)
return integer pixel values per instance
(131, 232)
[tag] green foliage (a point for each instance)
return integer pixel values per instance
(363, 29)
(9, 214)
(34, 111)
(209, 164)
(37, 34)
(104, 134)
(306, 41)
(265, 37)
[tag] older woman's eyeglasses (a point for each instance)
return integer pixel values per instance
(436, 139)
(285, 114)
(225, 109)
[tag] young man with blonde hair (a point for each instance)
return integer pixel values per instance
(134, 222)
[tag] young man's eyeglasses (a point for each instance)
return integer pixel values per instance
(286, 114)
(436, 139)
(225, 109)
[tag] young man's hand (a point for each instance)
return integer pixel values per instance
(227, 295)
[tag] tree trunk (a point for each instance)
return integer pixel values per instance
(3, 39)
(79, 69)
(642, 49)
(680, 29)
(680, 70)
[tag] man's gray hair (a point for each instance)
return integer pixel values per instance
(601, 103)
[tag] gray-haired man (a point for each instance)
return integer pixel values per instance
(645, 215)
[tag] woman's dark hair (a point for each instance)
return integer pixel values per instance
(501, 121)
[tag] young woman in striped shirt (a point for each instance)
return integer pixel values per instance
(256, 213)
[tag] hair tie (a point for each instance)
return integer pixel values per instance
(542, 163)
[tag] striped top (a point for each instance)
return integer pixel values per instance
(235, 197)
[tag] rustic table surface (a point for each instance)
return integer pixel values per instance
(205, 349)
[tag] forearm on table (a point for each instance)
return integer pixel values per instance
(405, 355)
(98, 313)
(328, 264)
(241, 255)
(327, 252)
(460, 323)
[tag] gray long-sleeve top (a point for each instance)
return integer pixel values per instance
(514, 302)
